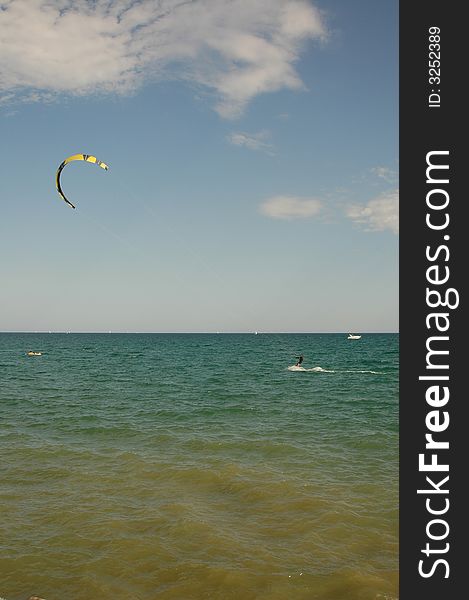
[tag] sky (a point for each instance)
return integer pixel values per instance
(253, 165)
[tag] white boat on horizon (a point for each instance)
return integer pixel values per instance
(352, 336)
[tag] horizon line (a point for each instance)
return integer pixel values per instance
(250, 332)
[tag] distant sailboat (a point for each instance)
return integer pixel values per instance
(352, 336)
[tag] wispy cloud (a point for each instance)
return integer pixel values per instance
(379, 214)
(253, 141)
(290, 207)
(232, 49)
(385, 173)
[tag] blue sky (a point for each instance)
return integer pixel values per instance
(253, 153)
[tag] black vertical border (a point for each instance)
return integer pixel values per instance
(424, 129)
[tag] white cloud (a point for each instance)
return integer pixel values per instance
(385, 173)
(290, 207)
(253, 141)
(234, 49)
(379, 214)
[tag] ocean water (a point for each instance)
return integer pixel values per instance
(197, 466)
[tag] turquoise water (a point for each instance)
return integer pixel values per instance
(195, 466)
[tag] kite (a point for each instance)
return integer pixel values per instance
(85, 157)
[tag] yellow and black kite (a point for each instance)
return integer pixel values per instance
(87, 158)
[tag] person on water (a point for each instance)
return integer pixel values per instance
(300, 360)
